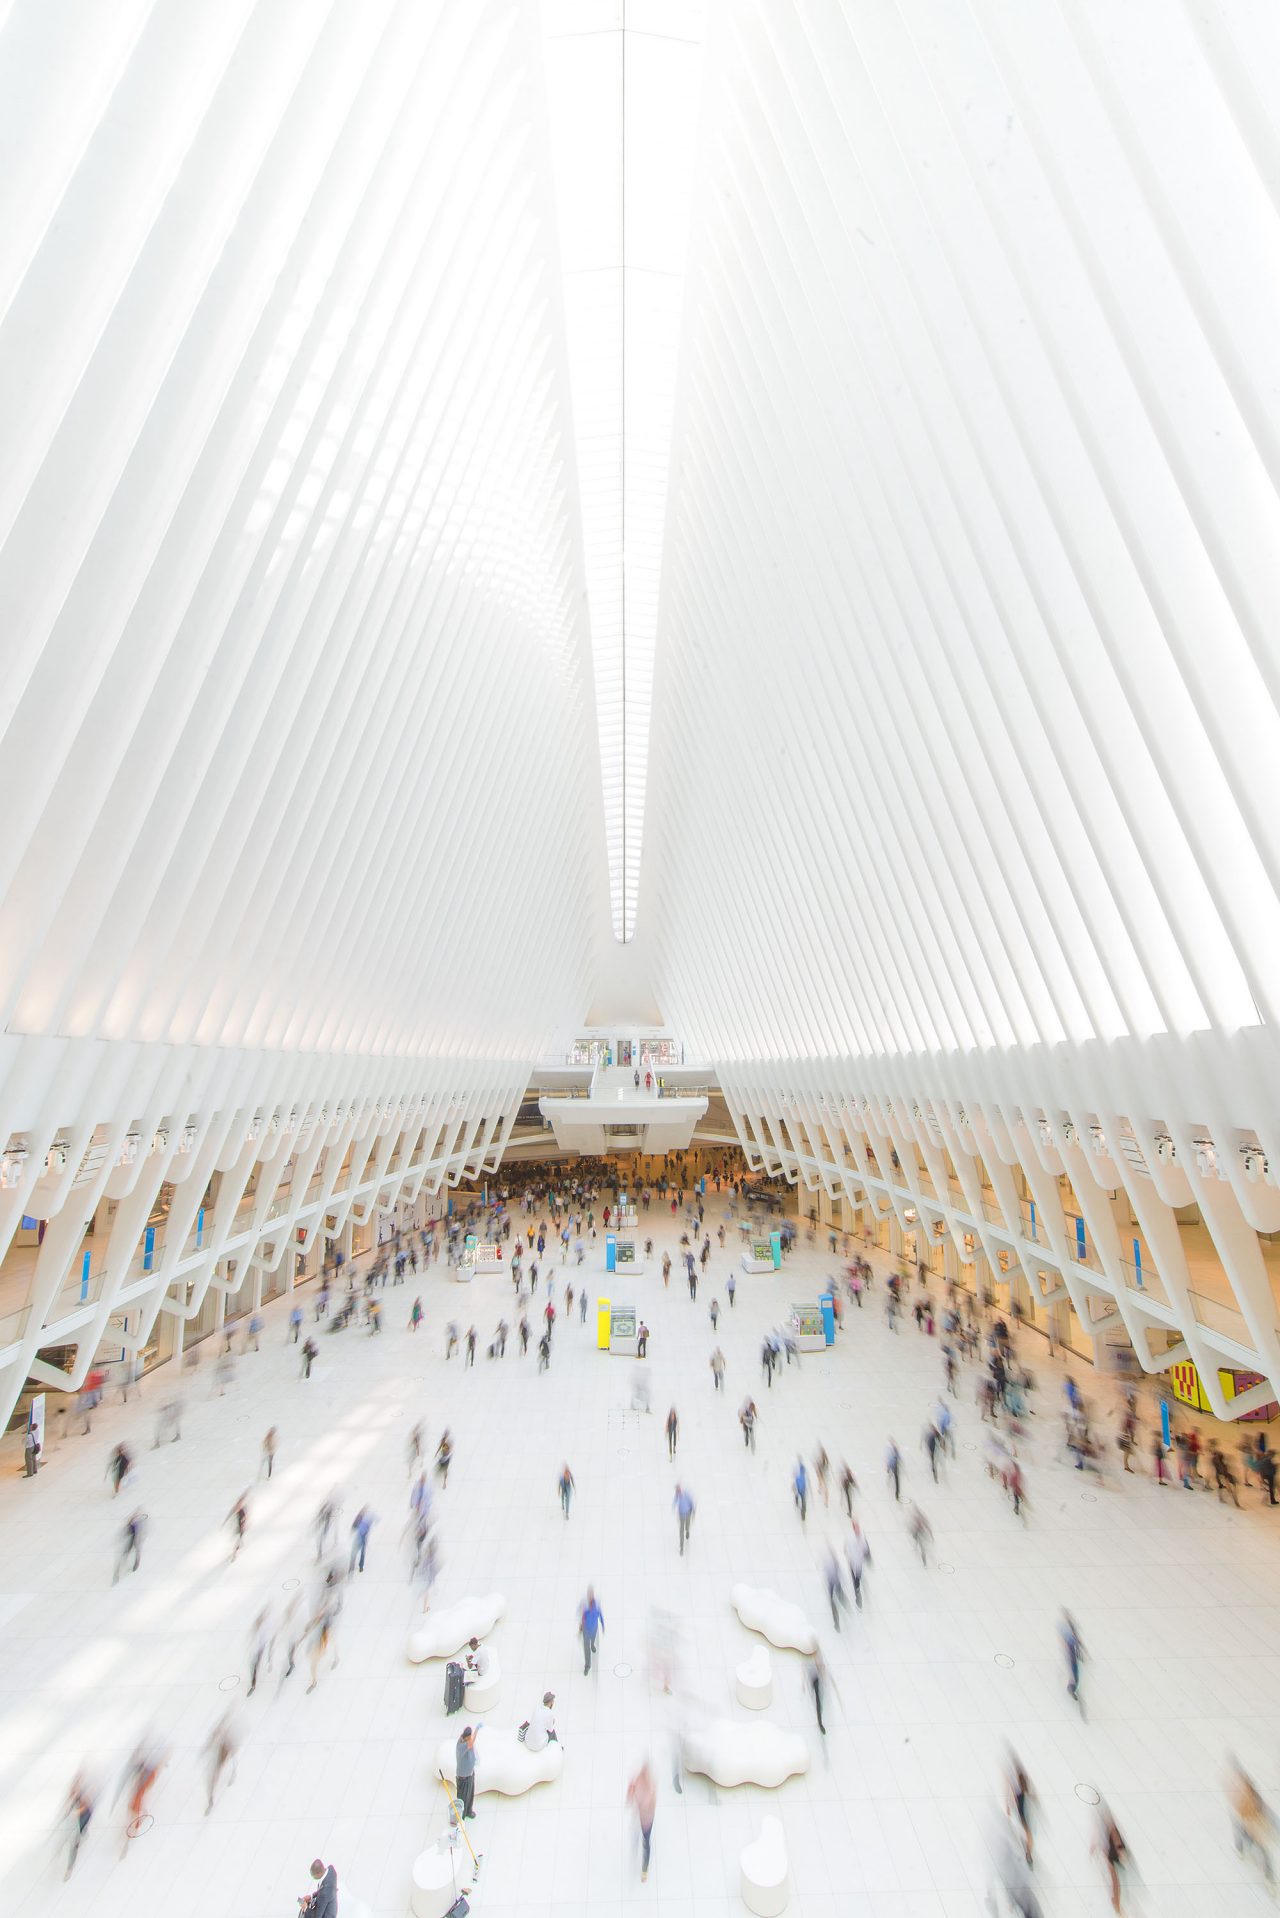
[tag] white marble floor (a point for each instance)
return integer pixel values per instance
(1176, 1598)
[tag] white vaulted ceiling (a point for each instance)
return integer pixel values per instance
(975, 528)
(789, 485)
(290, 573)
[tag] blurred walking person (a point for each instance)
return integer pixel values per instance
(684, 1508)
(642, 1793)
(590, 1625)
(219, 1752)
(836, 1595)
(1252, 1820)
(858, 1553)
(1073, 1652)
(921, 1533)
(1110, 1846)
(129, 1554)
(1020, 1802)
(77, 1817)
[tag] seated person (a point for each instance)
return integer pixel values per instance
(479, 1661)
(540, 1729)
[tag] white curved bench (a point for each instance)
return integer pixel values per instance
(503, 1764)
(782, 1623)
(729, 1753)
(753, 1680)
(766, 1875)
(481, 1694)
(444, 1632)
(438, 1876)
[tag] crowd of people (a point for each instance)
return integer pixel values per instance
(981, 1361)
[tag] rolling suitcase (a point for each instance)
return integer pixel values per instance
(453, 1687)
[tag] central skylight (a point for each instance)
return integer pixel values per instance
(623, 80)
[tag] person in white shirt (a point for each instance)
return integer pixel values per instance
(478, 1661)
(542, 1725)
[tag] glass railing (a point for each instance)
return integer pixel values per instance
(73, 1293)
(1144, 1279)
(13, 1325)
(1215, 1316)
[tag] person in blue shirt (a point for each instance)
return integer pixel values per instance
(800, 1487)
(683, 1503)
(361, 1526)
(590, 1624)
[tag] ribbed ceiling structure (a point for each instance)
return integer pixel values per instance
(290, 567)
(358, 389)
(975, 517)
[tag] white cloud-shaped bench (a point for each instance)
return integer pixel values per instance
(753, 1680)
(782, 1623)
(765, 1872)
(444, 1632)
(729, 1752)
(503, 1764)
(438, 1877)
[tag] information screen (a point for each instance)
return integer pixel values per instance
(806, 1321)
(622, 1325)
(762, 1249)
(625, 1252)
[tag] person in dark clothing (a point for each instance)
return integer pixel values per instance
(815, 1678)
(465, 1763)
(323, 1901)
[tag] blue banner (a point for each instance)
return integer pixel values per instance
(1081, 1248)
(148, 1248)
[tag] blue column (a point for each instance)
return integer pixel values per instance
(1081, 1249)
(828, 1318)
(84, 1274)
(1137, 1260)
(775, 1240)
(148, 1248)
(610, 1253)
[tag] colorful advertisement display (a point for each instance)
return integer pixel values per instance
(1186, 1386)
(1235, 1384)
(1184, 1383)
